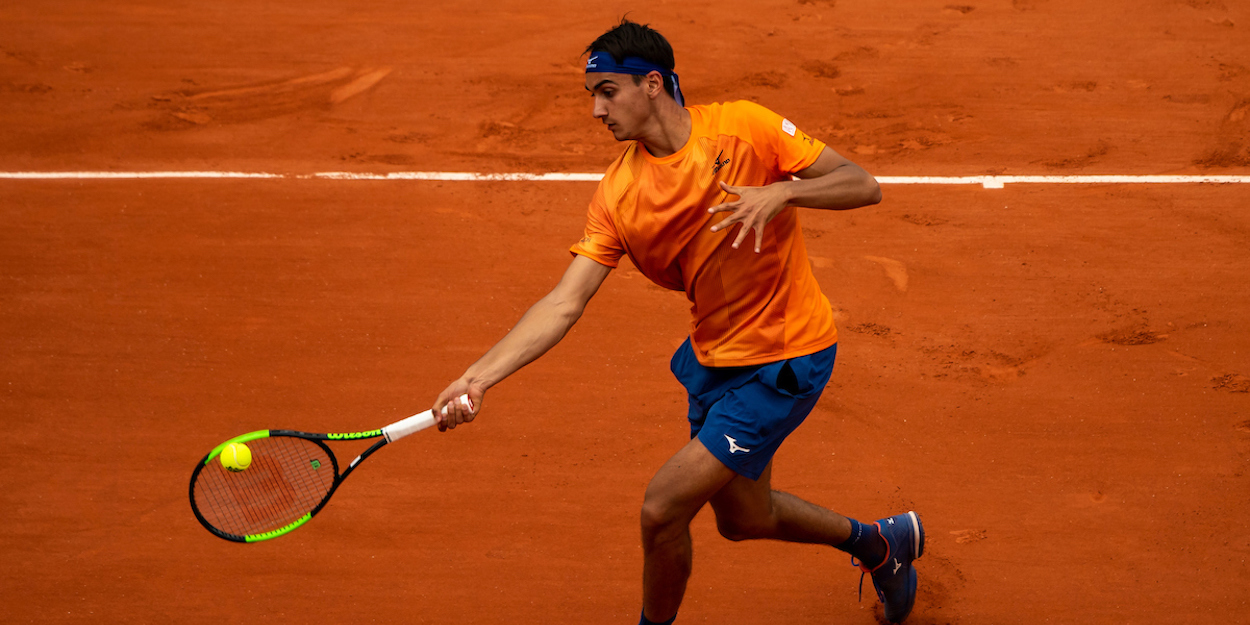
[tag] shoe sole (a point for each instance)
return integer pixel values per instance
(917, 531)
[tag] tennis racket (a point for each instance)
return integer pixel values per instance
(291, 478)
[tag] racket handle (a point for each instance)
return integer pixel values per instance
(417, 422)
(402, 428)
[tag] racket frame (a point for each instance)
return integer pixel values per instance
(389, 434)
(319, 440)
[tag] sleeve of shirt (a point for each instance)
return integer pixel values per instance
(792, 150)
(600, 241)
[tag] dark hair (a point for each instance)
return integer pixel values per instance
(632, 39)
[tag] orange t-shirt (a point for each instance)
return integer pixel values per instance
(746, 308)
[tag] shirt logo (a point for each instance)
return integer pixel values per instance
(788, 127)
(719, 163)
(733, 446)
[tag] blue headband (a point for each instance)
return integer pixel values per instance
(604, 63)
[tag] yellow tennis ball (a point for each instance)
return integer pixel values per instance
(236, 457)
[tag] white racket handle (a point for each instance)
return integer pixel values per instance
(417, 422)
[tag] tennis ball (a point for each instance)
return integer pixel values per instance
(236, 457)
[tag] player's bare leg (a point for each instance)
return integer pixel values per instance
(745, 509)
(675, 495)
(748, 509)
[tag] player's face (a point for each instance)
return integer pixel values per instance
(619, 103)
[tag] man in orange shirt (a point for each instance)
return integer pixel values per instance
(762, 337)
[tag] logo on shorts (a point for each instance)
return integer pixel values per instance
(733, 446)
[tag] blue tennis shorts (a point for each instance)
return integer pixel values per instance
(742, 414)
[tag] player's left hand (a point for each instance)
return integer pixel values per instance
(754, 208)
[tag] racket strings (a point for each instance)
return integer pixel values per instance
(288, 477)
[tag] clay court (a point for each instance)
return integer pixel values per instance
(1056, 376)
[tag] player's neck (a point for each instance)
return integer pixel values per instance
(669, 129)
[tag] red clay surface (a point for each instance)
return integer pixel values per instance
(1055, 377)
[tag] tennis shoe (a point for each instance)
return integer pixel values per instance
(895, 578)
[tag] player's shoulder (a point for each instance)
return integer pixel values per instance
(741, 117)
(625, 167)
(620, 175)
(747, 109)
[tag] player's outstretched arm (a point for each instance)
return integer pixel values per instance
(832, 182)
(540, 328)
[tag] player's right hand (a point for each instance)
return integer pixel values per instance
(451, 408)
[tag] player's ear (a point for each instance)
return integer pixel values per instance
(655, 84)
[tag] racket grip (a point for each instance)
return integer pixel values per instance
(402, 428)
(417, 422)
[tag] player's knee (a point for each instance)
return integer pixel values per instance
(659, 521)
(655, 517)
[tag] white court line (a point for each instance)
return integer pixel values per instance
(988, 182)
(128, 175)
(458, 176)
(997, 182)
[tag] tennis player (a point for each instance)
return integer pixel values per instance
(703, 200)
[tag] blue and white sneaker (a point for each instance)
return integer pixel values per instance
(895, 578)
